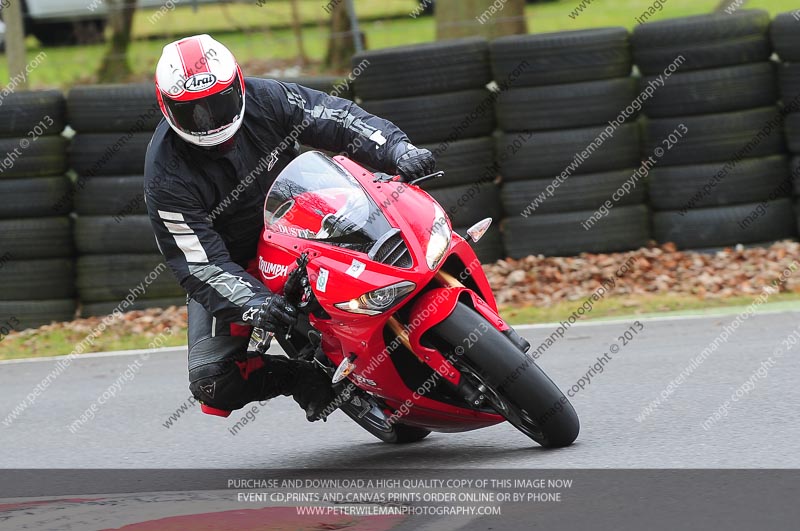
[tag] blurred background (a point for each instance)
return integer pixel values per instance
(697, 179)
(279, 37)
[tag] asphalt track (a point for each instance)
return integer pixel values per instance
(760, 431)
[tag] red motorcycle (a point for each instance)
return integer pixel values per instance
(396, 308)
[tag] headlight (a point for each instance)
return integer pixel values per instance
(379, 300)
(440, 239)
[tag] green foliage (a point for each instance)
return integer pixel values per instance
(262, 39)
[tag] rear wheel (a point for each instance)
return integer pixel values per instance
(367, 412)
(509, 380)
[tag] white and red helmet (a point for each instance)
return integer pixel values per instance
(200, 89)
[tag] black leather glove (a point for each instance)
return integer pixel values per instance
(412, 162)
(274, 313)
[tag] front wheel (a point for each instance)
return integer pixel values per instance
(509, 379)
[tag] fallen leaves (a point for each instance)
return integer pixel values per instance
(544, 281)
(727, 273)
(145, 324)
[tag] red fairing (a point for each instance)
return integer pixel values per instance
(434, 307)
(304, 209)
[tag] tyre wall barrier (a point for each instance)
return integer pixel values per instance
(557, 154)
(725, 178)
(786, 43)
(556, 136)
(438, 94)
(37, 269)
(119, 265)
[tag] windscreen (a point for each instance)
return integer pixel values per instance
(316, 199)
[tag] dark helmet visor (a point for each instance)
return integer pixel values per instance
(207, 115)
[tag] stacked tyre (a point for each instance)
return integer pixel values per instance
(437, 93)
(786, 42)
(560, 91)
(119, 265)
(713, 131)
(37, 270)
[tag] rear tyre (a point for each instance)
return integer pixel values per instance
(469, 204)
(24, 314)
(564, 106)
(449, 117)
(463, 161)
(708, 185)
(528, 398)
(712, 91)
(705, 228)
(579, 192)
(34, 238)
(33, 280)
(793, 132)
(109, 153)
(546, 154)
(114, 235)
(45, 157)
(715, 137)
(570, 233)
(431, 68)
(113, 108)
(561, 57)
(37, 197)
(21, 112)
(785, 37)
(106, 278)
(110, 196)
(789, 78)
(704, 41)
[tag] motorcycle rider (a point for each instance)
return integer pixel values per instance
(223, 141)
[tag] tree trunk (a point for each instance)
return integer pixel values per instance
(297, 27)
(15, 45)
(465, 18)
(340, 43)
(115, 67)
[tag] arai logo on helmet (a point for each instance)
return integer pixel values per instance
(200, 82)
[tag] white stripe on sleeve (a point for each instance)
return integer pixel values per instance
(171, 216)
(191, 247)
(178, 228)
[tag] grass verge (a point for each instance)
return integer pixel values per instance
(636, 306)
(245, 29)
(62, 341)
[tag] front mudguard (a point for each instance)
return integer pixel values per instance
(434, 307)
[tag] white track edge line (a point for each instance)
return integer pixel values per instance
(165, 350)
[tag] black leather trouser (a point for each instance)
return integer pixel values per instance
(221, 375)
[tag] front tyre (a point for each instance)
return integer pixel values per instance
(511, 381)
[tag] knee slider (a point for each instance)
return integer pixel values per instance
(219, 385)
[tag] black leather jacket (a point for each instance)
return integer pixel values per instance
(206, 206)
